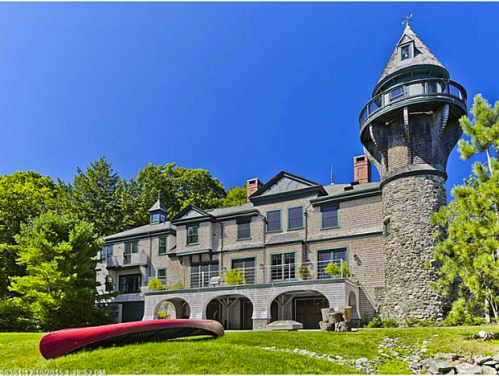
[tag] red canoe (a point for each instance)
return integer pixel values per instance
(63, 342)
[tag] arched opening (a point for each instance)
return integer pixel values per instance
(352, 302)
(175, 308)
(234, 312)
(303, 306)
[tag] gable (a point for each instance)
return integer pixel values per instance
(405, 39)
(285, 184)
(192, 214)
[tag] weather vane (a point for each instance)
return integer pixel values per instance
(406, 20)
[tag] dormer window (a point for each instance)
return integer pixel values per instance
(406, 51)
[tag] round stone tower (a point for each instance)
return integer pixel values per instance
(408, 130)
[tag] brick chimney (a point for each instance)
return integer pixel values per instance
(361, 169)
(252, 186)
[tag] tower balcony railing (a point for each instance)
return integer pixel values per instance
(418, 89)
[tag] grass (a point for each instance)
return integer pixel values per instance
(242, 353)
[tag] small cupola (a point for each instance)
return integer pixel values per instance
(158, 211)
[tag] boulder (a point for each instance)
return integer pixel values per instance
(485, 335)
(488, 370)
(342, 326)
(436, 366)
(335, 317)
(446, 356)
(468, 369)
(480, 360)
(325, 313)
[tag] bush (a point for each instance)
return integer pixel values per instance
(155, 284)
(16, 316)
(376, 322)
(333, 269)
(162, 315)
(463, 314)
(234, 277)
(414, 323)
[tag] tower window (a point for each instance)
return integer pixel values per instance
(405, 52)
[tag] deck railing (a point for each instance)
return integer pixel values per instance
(431, 87)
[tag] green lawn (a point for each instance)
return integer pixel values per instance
(242, 353)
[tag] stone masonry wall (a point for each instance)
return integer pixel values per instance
(408, 204)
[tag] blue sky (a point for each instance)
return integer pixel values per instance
(241, 89)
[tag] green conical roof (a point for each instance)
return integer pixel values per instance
(422, 55)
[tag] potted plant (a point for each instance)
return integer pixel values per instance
(234, 277)
(304, 272)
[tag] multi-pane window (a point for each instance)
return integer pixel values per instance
(244, 229)
(397, 93)
(326, 257)
(106, 253)
(274, 221)
(282, 267)
(247, 265)
(192, 235)
(202, 272)
(162, 245)
(330, 216)
(295, 218)
(161, 275)
(405, 52)
(130, 248)
(157, 218)
(130, 283)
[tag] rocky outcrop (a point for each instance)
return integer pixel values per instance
(336, 321)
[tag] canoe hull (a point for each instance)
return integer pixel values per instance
(63, 342)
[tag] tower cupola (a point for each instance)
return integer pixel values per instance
(158, 211)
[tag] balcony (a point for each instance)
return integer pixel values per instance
(417, 91)
(265, 275)
(127, 260)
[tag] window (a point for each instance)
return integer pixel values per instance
(274, 221)
(161, 275)
(282, 267)
(405, 52)
(192, 235)
(157, 218)
(106, 253)
(202, 272)
(244, 229)
(397, 94)
(130, 248)
(162, 245)
(109, 283)
(130, 283)
(247, 265)
(330, 216)
(324, 258)
(295, 218)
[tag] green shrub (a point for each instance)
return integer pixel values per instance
(376, 322)
(176, 286)
(414, 323)
(16, 316)
(234, 277)
(390, 323)
(345, 270)
(162, 315)
(463, 314)
(155, 284)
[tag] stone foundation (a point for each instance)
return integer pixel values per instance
(408, 205)
(260, 324)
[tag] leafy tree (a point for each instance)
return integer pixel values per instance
(235, 197)
(468, 247)
(23, 196)
(59, 253)
(95, 196)
(178, 188)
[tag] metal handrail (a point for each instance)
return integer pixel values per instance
(401, 92)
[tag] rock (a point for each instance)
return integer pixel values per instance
(488, 370)
(491, 363)
(335, 317)
(436, 366)
(361, 361)
(468, 369)
(325, 313)
(482, 359)
(446, 356)
(284, 325)
(342, 326)
(485, 335)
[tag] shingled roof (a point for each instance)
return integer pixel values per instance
(422, 55)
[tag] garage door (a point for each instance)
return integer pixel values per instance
(132, 311)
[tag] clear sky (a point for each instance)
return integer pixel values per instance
(241, 89)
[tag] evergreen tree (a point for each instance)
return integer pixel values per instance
(469, 241)
(95, 197)
(60, 255)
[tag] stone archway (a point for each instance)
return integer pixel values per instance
(303, 306)
(234, 311)
(174, 308)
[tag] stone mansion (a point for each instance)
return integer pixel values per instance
(298, 246)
